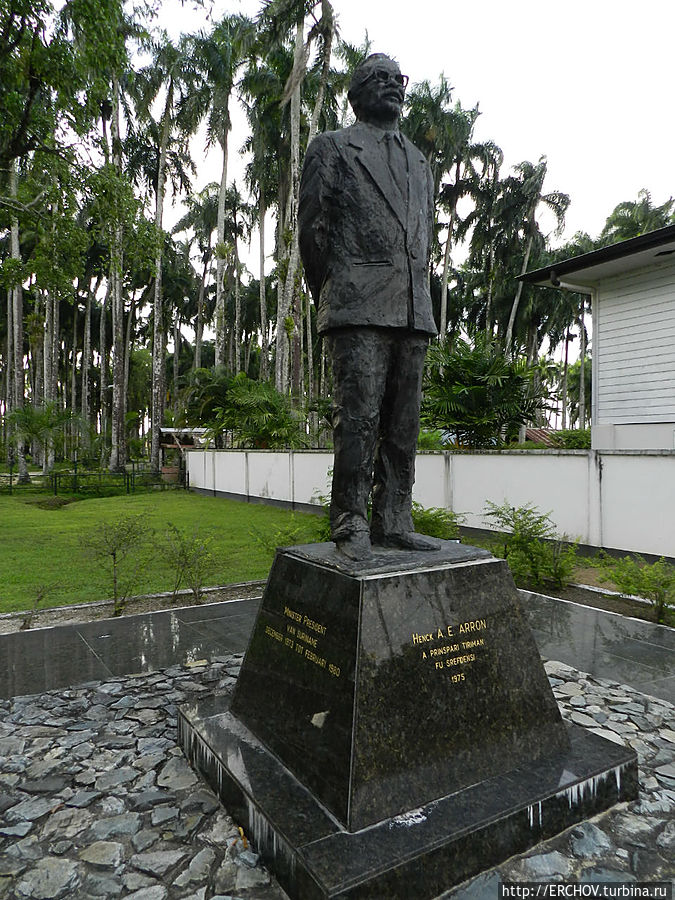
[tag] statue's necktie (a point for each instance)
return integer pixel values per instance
(398, 163)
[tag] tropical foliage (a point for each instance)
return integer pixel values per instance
(477, 393)
(124, 325)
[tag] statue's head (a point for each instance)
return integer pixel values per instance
(377, 89)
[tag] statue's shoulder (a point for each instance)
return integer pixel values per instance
(335, 139)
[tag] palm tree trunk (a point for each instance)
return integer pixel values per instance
(8, 386)
(128, 347)
(158, 336)
(247, 341)
(446, 262)
(531, 351)
(36, 352)
(444, 284)
(118, 449)
(298, 343)
(86, 354)
(563, 421)
(508, 339)
(176, 360)
(263, 299)
(582, 366)
(17, 326)
(220, 260)
(103, 373)
(199, 327)
(73, 377)
(489, 323)
(283, 343)
(327, 15)
(310, 349)
(52, 346)
(237, 302)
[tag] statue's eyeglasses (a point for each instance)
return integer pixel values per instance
(383, 76)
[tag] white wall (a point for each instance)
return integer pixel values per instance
(619, 500)
(634, 360)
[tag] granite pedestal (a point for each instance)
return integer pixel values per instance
(392, 728)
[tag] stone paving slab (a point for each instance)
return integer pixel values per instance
(96, 799)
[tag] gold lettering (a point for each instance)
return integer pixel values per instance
(314, 626)
(476, 625)
(460, 660)
(317, 660)
(440, 651)
(421, 638)
(292, 614)
(277, 635)
(303, 636)
(469, 645)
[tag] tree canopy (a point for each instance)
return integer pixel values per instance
(125, 326)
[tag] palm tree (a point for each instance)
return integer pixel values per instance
(267, 175)
(487, 242)
(466, 183)
(39, 425)
(475, 391)
(430, 124)
(202, 219)
(632, 218)
(15, 324)
(171, 71)
(218, 56)
(532, 184)
(277, 19)
(260, 180)
(237, 222)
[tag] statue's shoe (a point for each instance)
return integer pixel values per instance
(407, 540)
(356, 546)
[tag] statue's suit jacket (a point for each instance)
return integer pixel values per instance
(364, 245)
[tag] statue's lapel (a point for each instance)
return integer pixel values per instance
(371, 158)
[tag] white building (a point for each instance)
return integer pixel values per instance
(632, 285)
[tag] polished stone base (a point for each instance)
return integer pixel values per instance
(385, 684)
(418, 854)
(392, 731)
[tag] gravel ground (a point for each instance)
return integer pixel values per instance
(96, 799)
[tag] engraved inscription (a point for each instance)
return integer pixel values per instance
(304, 638)
(453, 654)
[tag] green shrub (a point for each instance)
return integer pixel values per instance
(436, 522)
(190, 557)
(573, 439)
(652, 581)
(530, 545)
(430, 439)
(529, 445)
(117, 546)
(295, 532)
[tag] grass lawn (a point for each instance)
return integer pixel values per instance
(48, 547)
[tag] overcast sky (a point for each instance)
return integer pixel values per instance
(588, 83)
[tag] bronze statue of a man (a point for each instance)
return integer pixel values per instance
(365, 226)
